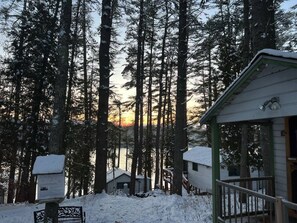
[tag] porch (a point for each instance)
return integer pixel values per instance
(237, 203)
(264, 93)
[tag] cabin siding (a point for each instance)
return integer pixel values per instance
(275, 81)
(112, 185)
(124, 178)
(200, 179)
(280, 168)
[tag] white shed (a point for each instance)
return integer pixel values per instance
(118, 178)
(50, 177)
(199, 165)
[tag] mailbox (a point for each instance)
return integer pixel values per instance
(50, 178)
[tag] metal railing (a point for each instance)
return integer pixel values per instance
(252, 200)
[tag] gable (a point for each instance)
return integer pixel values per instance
(116, 173)
(269, 74)
(273, 81)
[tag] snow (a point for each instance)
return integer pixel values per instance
(103, 208)
(278, 53)
(117, 172)
(200, 155)
(50, 164)
(113, 174)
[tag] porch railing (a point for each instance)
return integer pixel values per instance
(255, 202)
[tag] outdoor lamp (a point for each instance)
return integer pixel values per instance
(273, 104)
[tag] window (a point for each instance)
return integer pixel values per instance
(120, 185)
(195, 166)
(234, 171)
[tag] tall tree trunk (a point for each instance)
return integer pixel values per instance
(247, 34)
(181, 100)
(102, 122)
(244, 167)
(263, 36)
(37, 99)
(120, 134)
(27, 187)
(136, 150)
(18, 74)
(141, 109)
(69, 89)
(265, 140)
(164, 127)
(160, 99)
(57, 129)
(72, 57)
(149, 130)
(262, 25)
(86, 151)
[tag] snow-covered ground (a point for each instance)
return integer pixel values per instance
(104, 208)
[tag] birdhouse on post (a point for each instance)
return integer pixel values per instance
(50, 178)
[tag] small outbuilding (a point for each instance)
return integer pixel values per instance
(119, 180)
(199, 169)
(50, 178)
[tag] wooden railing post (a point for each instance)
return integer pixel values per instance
(279, 218)
(216, 144)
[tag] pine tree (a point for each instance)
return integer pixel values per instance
(181, 140)
(102, 127)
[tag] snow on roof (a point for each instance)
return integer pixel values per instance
(278, 53)
(200, 155)
(118, 172)
(49, 164)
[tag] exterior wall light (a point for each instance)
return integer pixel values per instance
(273, 104)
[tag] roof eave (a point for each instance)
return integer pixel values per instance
(260, 59)
(244, 75)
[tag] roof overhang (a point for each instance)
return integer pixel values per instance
(257, 64)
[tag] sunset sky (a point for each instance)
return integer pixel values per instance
(117, 79)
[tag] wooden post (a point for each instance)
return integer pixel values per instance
(215, 139)
(272, 161)
(279, 210)
(51, 212)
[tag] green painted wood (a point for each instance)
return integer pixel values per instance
(272, 154)
(215, 133)
(272, 158)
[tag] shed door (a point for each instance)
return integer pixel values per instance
(292, 159)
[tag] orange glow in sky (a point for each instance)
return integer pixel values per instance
(127, 119)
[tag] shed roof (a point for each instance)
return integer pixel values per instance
(263, 57)
(200, 155)
(117, 173)
(51, 164)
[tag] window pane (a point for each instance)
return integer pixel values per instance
(195, 166)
